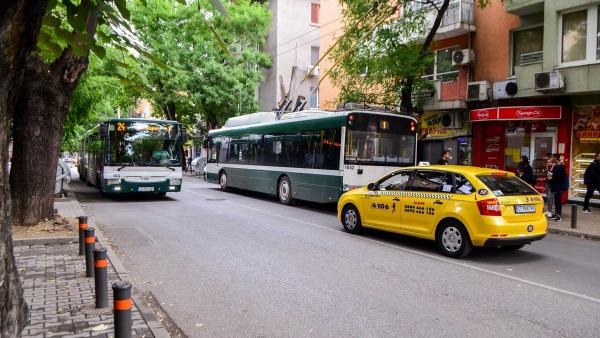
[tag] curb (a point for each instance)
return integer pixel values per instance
(45, 241)
(573, 233)
(156, 327)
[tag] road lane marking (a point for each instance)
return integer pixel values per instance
(419, 253)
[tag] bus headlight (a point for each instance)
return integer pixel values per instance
(176, 181)
(345, 188)
(113, 181)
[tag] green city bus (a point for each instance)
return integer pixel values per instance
(312, 155)
(127, 155)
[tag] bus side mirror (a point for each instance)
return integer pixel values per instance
(371, 186)
(103, 129)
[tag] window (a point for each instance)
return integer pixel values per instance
(442, 68)
(574, 36)
(314, 13)
(527, 46)
(397, 181)
(506, 185)
(314, 97)
(432, 181)
(579, 37)
(463, 186)
(314, 55)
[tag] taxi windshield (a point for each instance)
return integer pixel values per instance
(506, 185)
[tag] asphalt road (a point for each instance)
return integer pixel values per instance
(240, 264)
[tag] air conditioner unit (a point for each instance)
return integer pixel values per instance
(504, 89)
(477, 91)
(550, 81)
(315, 72)
(463, 57)
(452, 120)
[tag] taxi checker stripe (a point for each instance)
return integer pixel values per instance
(411, 194)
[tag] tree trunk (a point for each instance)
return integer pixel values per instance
(42, 104)
(20, 23)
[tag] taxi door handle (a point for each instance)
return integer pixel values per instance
(396, 199)
(438, 202)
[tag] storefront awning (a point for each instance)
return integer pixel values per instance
(516, 113)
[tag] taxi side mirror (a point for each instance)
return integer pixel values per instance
(371, 186)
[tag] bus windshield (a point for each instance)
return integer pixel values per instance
(144, 144)
(379, 140)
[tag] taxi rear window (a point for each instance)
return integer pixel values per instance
(506, 185)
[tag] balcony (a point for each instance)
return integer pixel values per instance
(450, 90)
(524, 7)
(458, 19)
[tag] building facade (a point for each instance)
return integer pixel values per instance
(549, 99)
(293, 43)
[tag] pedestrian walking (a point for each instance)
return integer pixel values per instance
(189, 163)
(591, 179)
(525, 171)
(557, 178)
(445, 157)
(549, 198)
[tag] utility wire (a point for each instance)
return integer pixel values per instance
(304, 34)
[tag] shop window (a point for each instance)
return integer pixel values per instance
(527, 46)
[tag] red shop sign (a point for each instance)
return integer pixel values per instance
(517, 113)
(484, 114)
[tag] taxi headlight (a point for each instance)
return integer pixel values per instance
(176, 181)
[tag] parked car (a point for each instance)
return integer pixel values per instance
(459, 207)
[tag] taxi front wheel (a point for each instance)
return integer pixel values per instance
(453, 239)
(351, 219)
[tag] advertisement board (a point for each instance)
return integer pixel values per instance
(586, 142)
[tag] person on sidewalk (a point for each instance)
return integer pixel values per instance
(549, 199)
(591, 179)
(445, 157)
(557, 178)
(525, 171)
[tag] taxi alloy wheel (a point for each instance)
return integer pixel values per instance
(223, 181)
(285, 191)
(453, 239)
(351, 220)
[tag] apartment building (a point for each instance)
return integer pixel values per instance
(548, 100)
(292, 41)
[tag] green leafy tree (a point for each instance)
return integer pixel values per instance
(201, 79)
(381, 55)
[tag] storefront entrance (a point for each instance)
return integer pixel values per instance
(542, 145)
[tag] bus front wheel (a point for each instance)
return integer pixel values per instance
(223, 181)
(285, 191)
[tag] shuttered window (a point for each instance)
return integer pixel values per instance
(314, 13)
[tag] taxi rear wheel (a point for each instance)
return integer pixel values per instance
(453, 239)
(351, 219)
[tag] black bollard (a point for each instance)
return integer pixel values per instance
(122, 309)
(90, 242)
(101, 277)
(573, 216)
(82, 226)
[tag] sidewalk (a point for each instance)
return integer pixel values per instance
(588, 225)
(61, 299)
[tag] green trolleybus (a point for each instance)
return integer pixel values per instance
(133, 155)
(309, 155)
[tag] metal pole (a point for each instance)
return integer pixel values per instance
(573, 216)
(90, 242)
(122, 309)
(101, 277)
(82, 226)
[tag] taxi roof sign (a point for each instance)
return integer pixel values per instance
(423, 164)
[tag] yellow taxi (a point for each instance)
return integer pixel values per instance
(457, 206)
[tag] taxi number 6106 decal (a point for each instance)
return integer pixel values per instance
(379, 206)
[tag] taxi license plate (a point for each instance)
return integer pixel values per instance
(146, 189)
(524, 209)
